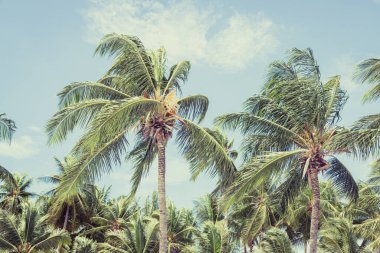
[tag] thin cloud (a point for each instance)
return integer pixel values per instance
(187, 31)
(21, 147)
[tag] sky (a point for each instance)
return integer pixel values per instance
(45, 45)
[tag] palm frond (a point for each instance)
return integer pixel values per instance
(342, 179)
(142, 155)
(81, 91)
(253, 124)
(369, 71)
(52, 240)
(193, 107)
(202, 150)
(65, 120)
(361, 142)
(132, 60)
(178, 75)
(275, 240)
(90, 164)
(335, 99)
(7, 128)
(259, 170)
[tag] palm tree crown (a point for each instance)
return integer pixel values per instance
(291, 127)
(137, 95)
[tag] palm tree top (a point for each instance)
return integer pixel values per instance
(7, 128)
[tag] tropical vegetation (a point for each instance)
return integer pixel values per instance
(285, 189)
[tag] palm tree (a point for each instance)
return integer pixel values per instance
(291, 127)
(337, 235)
(212, 237)
(138, 95)
(114, 215)
(29, 232)
(139, 237)
(296, 216)
(181, 229)
(365, 216)
(73, 207)
(364, 136)
(7, 128)
(368, 71)
(14, 190)
(254, 214)
(275, 240)
(84, 245)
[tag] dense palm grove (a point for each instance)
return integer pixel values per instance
(285, 189)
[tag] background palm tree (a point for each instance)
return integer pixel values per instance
(7, 128)
(290, 127)
(275, 240)
(365, 134)
(14, 190)
(138, 95)
(73, 208)
(29, 232)
(141, 236)
(337, 235)
(114, 215)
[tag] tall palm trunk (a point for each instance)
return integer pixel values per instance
(162, 195)
(66, 218)
(315, 212)
(305, 245)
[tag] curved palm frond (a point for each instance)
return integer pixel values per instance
(192, 140)
(193, 107)
(132, 60)
(7, 128)
(65, 120)
(82, 91)
(369, 71)
(342, 179)
(178, 75)
(275, 240)
(259, 170)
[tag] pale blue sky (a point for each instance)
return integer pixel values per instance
(47, 44)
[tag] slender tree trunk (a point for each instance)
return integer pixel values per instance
(315, 212)
(162, 195)
(305, 245)
(66, 218)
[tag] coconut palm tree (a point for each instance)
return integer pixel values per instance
(114, 215)
(181, 229)
(212, 237)
(296, 216)
(337, 235)
(67, 215)
(137, 96)
(29, 232)
(364, 136)
(368, 71)
(254, 214)
(290, 128)
(14, 190)
(275, 240)
(139, 237)
(84, 245)
(7, 128)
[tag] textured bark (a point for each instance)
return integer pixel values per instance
(315, 212)
(162, 196)
(66, 218)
